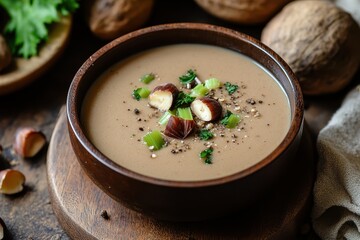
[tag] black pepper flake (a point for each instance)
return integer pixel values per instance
(129, 109)
(105, 215)
(136, 111)
(141, 129)
(261, 101)
(250, 101)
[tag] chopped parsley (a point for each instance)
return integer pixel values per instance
(205, 134)
(30, 21)
(183, 100)
(231, 88)
(189, 77)
(225, 119)
(207, 155)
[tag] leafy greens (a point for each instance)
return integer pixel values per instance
(29, 21)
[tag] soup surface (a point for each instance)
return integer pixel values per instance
(116, 123)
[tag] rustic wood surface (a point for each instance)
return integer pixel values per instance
(78, 203)
(29, 215)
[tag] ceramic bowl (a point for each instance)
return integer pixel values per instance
(176, 200)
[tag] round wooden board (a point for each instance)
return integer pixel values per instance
(78, 204)
(23, 71)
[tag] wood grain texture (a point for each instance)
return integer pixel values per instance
(78, 204)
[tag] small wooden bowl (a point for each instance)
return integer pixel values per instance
(193, 200)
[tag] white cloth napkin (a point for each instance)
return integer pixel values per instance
(336, 211)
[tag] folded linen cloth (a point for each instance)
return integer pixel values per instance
(336, 211)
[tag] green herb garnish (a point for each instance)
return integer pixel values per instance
(205, 134)
(207, 155)
(231, 88)
(230, 120)
(147, 78)
(189, 77)
(141, 93)
(183, 100)
(154, 140)
(29, 22)
(225, 119)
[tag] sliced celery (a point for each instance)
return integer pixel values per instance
(233, 121)
(147, 78)
(212, 83)
(165, 117)
(199, 91)
(154, 139)
(184, 113)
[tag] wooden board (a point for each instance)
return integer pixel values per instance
(78, 204)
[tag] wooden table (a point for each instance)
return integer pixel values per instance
(29, 215)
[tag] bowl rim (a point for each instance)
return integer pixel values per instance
(73, 118)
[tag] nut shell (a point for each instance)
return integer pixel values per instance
(242, 11)
(28, 142)
(319, 41)
(11, 181)
(108, 19)
(179, 128)
(3, 229)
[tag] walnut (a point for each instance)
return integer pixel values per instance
(242, 11)
(319, 41)
(5, 54)
(109, 19)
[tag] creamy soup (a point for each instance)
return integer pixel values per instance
(116, 123)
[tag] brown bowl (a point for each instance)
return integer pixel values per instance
(176, 200)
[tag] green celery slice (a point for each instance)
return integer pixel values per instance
(212, 83)
(184, 113)
(154, 139)
(199, 91)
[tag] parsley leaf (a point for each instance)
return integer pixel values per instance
(225, 119)
(29, 21)
(231, 88)
(205, 134)
(188, 77)
(207, 155)
(183, 100)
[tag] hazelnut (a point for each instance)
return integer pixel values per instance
(28, 142)
(3, 229)
(5, 54)
(11, 181)
(242, 11)
(319, 41)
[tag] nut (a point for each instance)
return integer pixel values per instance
(206, 109)
(5, 54)
(28, 142)
(163, 96)
(109, 19)
(11, 181)
(242, 11)
(3, 229)
(319, 41)
(179, 128)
